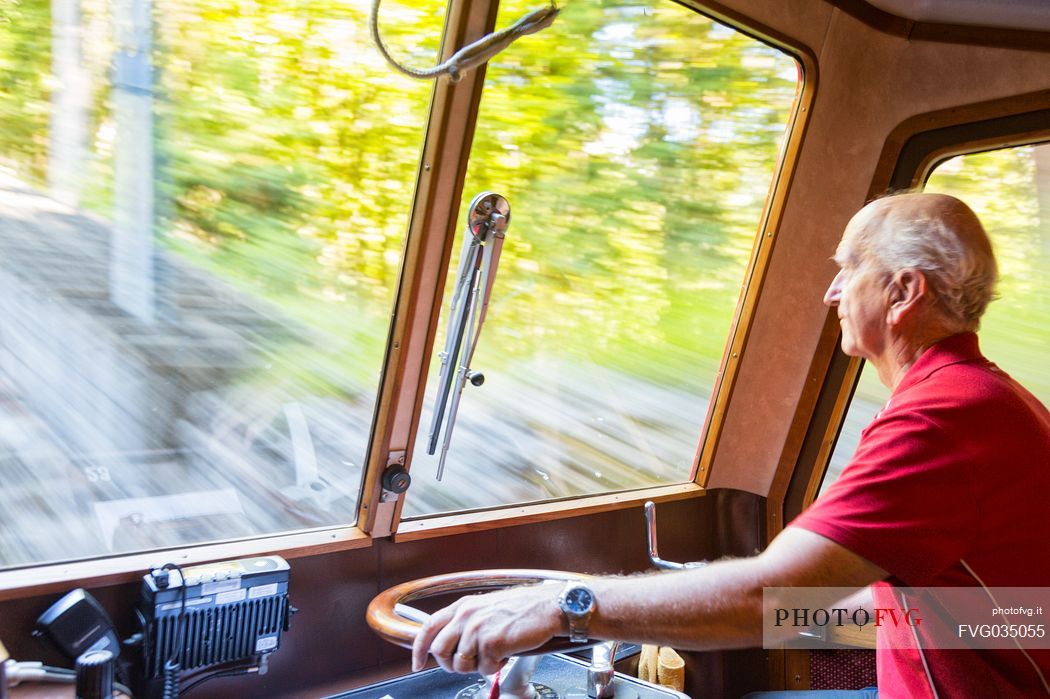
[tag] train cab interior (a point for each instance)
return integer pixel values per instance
(267, 300)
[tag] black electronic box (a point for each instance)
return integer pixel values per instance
(211, 614)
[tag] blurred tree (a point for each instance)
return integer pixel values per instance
(637, 166)
(1006, 190)
(636, 142)
(25, 59)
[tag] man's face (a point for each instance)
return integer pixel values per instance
(859, 292)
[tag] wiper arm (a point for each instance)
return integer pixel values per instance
(487, 222)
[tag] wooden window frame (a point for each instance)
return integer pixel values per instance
(402, 443)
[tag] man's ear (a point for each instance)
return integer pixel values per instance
(906, 291)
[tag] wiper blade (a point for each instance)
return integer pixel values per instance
(487, 222)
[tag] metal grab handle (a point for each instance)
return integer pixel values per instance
(654, 555)
(487, 223)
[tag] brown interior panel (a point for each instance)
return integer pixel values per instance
(329, 647)
(869, 83)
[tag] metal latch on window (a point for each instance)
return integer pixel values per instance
(654, 553)
(487, 221)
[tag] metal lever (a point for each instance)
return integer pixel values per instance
(602, 674)
(487, 223)
(654, 556)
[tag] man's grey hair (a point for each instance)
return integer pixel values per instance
(946, 242)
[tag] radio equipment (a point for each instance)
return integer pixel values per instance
(200, 616)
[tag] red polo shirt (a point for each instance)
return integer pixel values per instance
(956, 468)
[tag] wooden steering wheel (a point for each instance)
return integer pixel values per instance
(400, 630)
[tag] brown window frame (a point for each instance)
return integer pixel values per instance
(401, 442)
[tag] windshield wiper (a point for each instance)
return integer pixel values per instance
(487, 221)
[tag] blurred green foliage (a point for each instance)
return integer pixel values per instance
(636, 142)
(1010, 190)
(25, 54)
(290, 151)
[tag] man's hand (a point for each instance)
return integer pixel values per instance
(478, 633)
(718, 606)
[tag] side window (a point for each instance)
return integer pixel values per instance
(201, 218)
(636, 143)
(1010, 191)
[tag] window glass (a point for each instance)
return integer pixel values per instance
(636, 143)
(1010, 191)
(202, 206)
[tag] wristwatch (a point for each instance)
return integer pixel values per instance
(577, 603)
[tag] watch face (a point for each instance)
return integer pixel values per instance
(579, 600)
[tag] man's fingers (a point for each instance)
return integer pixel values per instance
(421, 646)
(465, 657)
(464, 662)
(444, 645)
(431, 628)
(488, 662)
(485, 629)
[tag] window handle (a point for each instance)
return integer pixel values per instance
(487, 221)
(654, 555)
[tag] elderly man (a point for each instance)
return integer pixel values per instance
(947, 487)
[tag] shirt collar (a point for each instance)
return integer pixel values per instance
(962, 347)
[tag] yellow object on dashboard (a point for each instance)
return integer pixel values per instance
(663, 666)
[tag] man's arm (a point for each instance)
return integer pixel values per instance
(719, 606)
(861, 599)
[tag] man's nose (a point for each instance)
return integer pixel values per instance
(834, 292)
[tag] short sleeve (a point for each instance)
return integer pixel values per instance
(905, 502)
